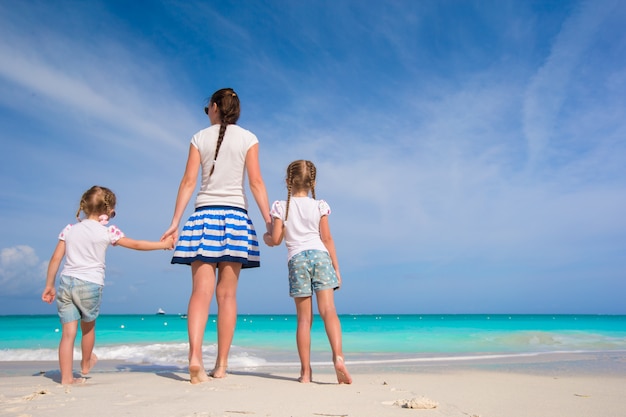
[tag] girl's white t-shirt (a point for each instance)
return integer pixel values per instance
(86, 243)
(302, 228)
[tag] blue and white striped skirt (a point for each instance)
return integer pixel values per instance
(216, 234)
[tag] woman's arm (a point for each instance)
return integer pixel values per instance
(185, 191)
(257, 186)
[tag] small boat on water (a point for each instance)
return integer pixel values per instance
(160, 311)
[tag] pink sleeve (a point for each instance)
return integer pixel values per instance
(278, 210)
(115, 234)
(64, 232)
(324, 208)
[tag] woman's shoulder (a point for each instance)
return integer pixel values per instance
(240, 131)
(230, 130)
(210, 130)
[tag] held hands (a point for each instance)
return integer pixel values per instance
(267, 238)
(171, 234)
(48, 295)
(169, 242)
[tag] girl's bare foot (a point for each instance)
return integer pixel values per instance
(86, 366)
(197, 375)
(218, 372)
(74, 381)
(343, 377)
(305, 376)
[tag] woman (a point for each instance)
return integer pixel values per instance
(218, 239)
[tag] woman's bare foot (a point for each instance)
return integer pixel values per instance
(305, 376)
(343, 377)
(218, 372)
(87, 365)
(197, 375)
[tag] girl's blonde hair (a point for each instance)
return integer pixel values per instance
(300, 177)
(97, 200)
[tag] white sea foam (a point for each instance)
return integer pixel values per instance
(175, 354)
(162, 354)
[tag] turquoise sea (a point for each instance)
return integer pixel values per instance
(269, 340)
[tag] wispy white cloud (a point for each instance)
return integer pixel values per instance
(446, 175)
(553, 84)
(97, 87)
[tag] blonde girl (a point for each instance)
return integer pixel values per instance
(84, 245)
(312, 262)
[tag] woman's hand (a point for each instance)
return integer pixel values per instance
(170, 242)
(171, 232)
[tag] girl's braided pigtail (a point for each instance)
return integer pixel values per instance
(312, 171)
(289, 188)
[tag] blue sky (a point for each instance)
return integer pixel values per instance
(473, 152)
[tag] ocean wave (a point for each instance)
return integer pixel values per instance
(175, 355)
(161, 354)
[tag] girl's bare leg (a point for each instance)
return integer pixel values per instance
(203, 284)
(66, 353)
(226, 295)
(304, 310)
(326, 307)
(87, 343)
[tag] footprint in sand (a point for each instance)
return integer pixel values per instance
(419, 403)
(35, 395)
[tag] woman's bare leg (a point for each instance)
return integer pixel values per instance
(203, 286)
(226, 295)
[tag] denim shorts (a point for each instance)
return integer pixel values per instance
(311, 271)
(78, 300)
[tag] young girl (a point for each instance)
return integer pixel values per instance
(83, 245)
(218, 239)
(312, 262)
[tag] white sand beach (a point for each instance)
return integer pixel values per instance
(567, 385)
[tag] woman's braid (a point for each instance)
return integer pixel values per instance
(229, 110)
